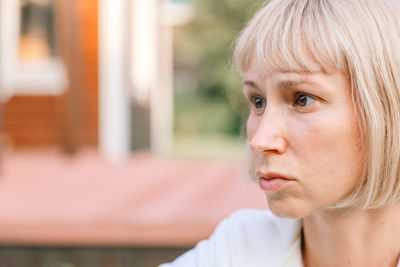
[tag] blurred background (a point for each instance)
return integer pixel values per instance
(122, 129)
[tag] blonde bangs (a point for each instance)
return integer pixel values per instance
(278, 38)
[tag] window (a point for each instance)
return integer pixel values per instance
(28, 46)
(36, 38)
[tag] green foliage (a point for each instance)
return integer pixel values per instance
(208, 97)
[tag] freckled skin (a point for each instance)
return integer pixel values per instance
(317, 144)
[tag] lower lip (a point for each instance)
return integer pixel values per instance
(274, 184)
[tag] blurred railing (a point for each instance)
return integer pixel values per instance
(86, 256)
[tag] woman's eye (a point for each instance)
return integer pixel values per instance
(257, 102)
(303, 100)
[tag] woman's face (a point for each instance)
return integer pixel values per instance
(305, 141)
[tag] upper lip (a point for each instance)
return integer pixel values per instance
(272, 175)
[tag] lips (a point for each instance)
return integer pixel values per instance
(272, 181)
(272, 175)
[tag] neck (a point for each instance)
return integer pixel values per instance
(352, 238)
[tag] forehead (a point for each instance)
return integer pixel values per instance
(260, 79)
(288, 79)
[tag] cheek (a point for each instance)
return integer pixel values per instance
(252, 125)
(309, 136)
(328, 148)
(326, 135)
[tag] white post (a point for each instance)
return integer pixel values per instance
(171, 13)
(9, 33)
(144, 44)
(114, 112)
(162, 96)
(151, 70)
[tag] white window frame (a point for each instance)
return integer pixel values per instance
(21, 78)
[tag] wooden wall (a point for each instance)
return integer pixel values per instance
(45, 121)
(88, 15)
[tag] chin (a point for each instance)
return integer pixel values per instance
(284, 208)
(287, 213)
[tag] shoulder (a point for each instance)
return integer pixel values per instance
(246, 238)
(250, 230)
(260, 220)
(257, 237)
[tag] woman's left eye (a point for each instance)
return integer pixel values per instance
(303, 100)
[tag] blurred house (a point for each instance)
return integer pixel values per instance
(97, 74)
(49, 77)
(87, 73)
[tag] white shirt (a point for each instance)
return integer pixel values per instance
(247, 238)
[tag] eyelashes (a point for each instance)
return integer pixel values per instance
(300, 100)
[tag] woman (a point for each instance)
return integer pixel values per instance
(323, 81)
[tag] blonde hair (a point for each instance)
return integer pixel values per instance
(358, 37)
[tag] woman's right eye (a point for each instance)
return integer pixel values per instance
(257, 102)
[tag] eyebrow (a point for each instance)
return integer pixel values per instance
(291, 83)
(251, 84)
(281, 84)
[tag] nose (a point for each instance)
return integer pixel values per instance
(266, 133)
